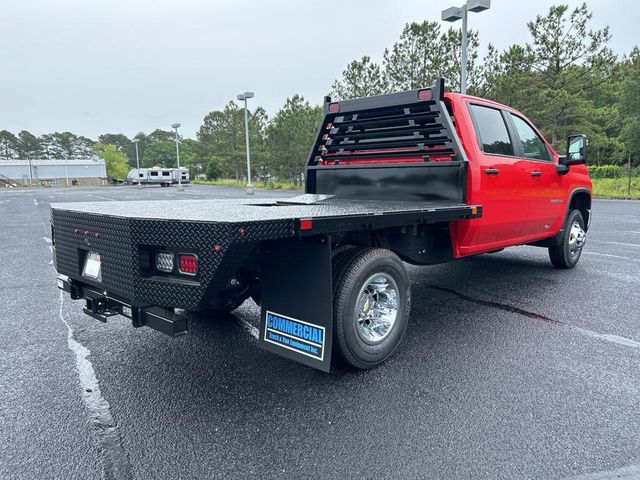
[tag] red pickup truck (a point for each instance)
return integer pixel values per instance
(423, 177)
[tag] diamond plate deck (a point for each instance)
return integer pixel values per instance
(221, 232)
(232, 211)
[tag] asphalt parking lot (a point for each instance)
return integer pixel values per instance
(510, 369)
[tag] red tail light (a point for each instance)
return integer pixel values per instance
(334, 107)
(425, 94)
(306, 224)
(188, 264)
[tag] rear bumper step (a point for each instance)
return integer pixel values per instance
(100, 306)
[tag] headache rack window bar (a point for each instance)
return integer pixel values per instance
(373, 118)
(418, 156)
(394, 126)
(372, 165)
(383, 122)
(418, 145)
(389, 134)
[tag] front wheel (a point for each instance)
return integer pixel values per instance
(567, 254)
(372, 296)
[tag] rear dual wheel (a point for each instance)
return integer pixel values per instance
(372, 295)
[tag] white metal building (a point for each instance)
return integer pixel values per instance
(85, 171)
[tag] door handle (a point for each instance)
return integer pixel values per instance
(536, 174)
(491, 171)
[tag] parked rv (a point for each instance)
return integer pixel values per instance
(158, 176)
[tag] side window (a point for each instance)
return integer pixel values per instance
(533, 146)
(491, 130)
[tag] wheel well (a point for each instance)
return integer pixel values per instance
(582, 202)
(419, 244)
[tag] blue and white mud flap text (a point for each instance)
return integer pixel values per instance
(297, 300)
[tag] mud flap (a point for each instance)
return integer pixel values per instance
(297, 301)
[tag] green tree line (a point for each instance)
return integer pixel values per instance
(278, 145)
(565, 78)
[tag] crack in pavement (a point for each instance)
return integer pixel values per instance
(538, 316)
(115, 465)
(625, 473)
(501, 306)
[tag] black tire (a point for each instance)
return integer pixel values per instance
(566, 255)
(356, 269)
(341, 257)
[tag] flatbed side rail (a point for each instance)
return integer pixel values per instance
(314, 226)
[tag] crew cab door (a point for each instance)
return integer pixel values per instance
(503, 180)
(546, 204)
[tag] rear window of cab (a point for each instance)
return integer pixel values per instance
(491, 130)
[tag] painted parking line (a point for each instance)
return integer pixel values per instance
(626, 473)
(103, 198)
(610, 256)
(615, 243)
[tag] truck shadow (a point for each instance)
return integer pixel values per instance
(219, 348)
(218, 389)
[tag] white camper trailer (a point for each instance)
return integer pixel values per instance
(163, 176)
(138, 175)
(158, 176)
(185, 175)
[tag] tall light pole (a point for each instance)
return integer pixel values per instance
(176, 126)
(136, 140)
(456, 13)
(245, 96)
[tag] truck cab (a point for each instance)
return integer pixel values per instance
(522, 182)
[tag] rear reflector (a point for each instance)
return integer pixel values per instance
(425, 94)
(188, 264)
(334, 107)
(306, 224)
(164, 261)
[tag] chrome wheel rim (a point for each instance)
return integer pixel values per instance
(577, 237)
(376, 308)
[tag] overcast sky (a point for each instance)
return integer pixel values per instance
(96, 66)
